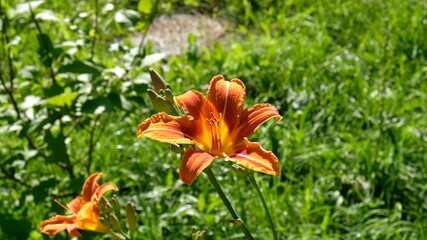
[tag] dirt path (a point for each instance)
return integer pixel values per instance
(169, 33)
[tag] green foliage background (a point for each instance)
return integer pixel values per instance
(349, 77)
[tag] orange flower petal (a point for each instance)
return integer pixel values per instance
(88, 218)
(195, 104)
(102, 189)
(56, 224)
(251, 118)
(90, 186)
(193, 163)
(75, 205)
(72, 229)
(228, 97)
(254, 157)
(165, 128)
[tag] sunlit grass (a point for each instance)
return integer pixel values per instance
(348, 77)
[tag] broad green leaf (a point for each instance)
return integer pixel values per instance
(24, 7)
(127, 16)
(120, 101)
(80, 67)
(64, 99)
(145, 6)
(14, 227)
(45, 50)
(56, 146)
(31, 101)
(53, 90)
(47, 15)
(152, 58)
(41, 190)
(98, 106)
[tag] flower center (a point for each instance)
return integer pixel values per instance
(215, 146)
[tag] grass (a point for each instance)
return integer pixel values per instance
(348, 77)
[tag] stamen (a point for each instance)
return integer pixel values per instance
(215, 127)
(62, 205)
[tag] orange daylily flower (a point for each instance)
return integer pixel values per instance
(85, 210)
(218, 125)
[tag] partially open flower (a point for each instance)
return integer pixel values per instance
(85, 210)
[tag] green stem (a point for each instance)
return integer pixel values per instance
(215, 184)
(264, 204)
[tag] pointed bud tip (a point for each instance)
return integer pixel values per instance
(131, 217)
(158, 82)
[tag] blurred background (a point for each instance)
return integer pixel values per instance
(349, 78)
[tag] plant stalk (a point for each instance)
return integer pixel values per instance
(264, 204)
(215, 184)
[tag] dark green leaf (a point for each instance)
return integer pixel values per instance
(14, 227)
(98, 106)
(56, 146)
(41, 190)
(45, 49)
(80, 67)
(120, 101)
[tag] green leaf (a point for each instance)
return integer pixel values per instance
(47, 15)
(24, 7)
(80, 67)
(61, 100)
(127, 16)
(56, 146)
(45, 49)
(152, 58)
(14, 227)
(41, 191)
(120, 101)
(98, 106)
(31, 101)
(145, 6)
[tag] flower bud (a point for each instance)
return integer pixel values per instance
(238, 222)
(168, 95)
(115, 223)
(106, 205)
(115, 204)
(159, 102)
(131, 217)
(242, 172)
(196, 234)
(105, 222)
(177, 148)
(158, 82)
(155, 100)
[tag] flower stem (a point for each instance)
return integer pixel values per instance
(236, 218)
(264, 204)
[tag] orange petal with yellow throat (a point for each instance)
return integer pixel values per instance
(59, 223)
(193, 163)
(102, 189)
(195, 104)
(75, 205)
(165, 128)
(90, 186)
(88, 218)
(255, 158)
(228, 97)
(251, 118)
